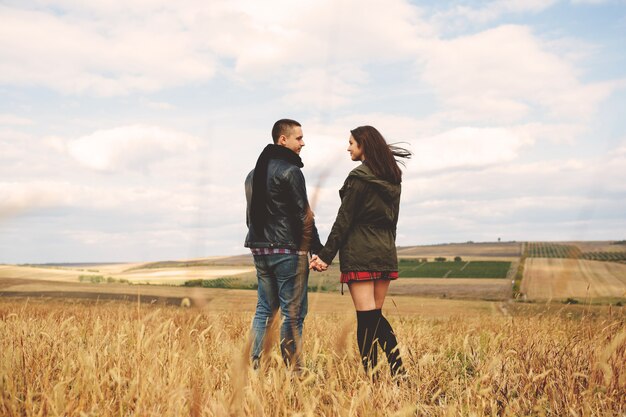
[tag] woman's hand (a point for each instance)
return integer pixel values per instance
(317, 264)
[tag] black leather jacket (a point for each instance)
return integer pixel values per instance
(290, 222)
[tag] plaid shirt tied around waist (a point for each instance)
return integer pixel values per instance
(276, 251)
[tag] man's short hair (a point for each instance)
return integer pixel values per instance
(281, 128)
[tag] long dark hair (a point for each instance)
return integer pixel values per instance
(380, 157)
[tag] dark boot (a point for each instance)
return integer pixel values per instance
(365, 334)
(387, 340)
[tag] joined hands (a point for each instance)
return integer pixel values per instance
(317, 264)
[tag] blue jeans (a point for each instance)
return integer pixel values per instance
(283, 281)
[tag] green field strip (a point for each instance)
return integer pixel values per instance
(473, 269)
(483, 270)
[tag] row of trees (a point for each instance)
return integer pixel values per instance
(605, 256)
(551, 250)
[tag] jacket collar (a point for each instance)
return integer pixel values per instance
(272, 151)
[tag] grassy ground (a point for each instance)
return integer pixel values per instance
(409, 268)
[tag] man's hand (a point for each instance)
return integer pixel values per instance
(317, 264)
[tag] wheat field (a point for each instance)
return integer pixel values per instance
(554, 278)
(64, 358)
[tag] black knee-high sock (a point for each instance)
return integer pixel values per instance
(365, 333)
(387, 340)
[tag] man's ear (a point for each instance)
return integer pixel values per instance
(282, 140)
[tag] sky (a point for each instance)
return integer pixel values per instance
(128, 128)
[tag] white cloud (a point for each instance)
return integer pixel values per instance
(563, 133)
(590, 1)
(12, 119)
(611, 170)
(116, 221)
(13, 136)
(620, 149)
(81, 54)
(17, 197)
(13, 146)
(537, 184)
(505, 74)
(324, 88)
(281, 33)
(129, 147)
(158, 105)
(173, 204)
(158, 44)
(393, 127)
(490, 11)
(552, 199)
(467, 147)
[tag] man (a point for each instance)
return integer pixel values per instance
(281, 232)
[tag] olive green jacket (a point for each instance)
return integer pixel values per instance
(364, 232)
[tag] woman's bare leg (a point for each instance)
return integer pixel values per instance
(380, 292)
(362, 293)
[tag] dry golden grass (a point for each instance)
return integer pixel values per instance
(562, 278)
(598, 246)
(119, 359)
(217, 299)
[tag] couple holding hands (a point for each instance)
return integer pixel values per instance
(282, 232)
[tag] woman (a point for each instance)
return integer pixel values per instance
(364, 233)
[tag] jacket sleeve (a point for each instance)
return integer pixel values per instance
(350, 201)
(306, 222)
(316, 244)
(248, 191)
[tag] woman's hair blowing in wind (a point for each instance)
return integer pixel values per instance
(379, 156)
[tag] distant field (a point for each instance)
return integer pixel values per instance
(133, 273)
(551, 250)
(457, 288)
(600, 246)
(593, 251)
(484, 273)
(471, 251)
(472, 269)
(573, 278)
(245, 260)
